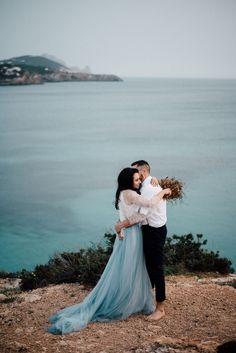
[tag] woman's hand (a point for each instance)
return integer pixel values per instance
(118, 227)
(121, 234)
(121, 225)
(154, 181)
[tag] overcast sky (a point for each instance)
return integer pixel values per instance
(158, 38)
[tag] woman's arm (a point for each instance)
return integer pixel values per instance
(131, 197)
(130, 221)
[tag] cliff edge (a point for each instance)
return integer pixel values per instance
(201, 314)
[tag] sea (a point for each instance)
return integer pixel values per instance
(62, 146)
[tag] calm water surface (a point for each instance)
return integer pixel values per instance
(62, 146)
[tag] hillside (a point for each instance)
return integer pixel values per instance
(30, 69)
(36, 61)
(200, 316)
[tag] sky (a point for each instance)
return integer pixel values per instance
(128, 38)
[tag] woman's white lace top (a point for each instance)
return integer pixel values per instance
(130, 203)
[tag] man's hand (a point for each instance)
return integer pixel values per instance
(168, 192)
(154, 181)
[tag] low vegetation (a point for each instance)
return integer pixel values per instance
(183, 254)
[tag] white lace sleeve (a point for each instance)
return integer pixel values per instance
(136, 218)
(131, 197)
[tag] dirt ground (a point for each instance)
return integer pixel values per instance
(201, 314)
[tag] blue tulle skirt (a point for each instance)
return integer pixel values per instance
(123, 289)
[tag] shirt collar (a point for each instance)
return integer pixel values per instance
(147, 180)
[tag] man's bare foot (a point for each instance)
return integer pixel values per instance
(158, 314)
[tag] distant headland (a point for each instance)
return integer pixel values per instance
(28, 69)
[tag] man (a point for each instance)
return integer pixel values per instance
(154, 235)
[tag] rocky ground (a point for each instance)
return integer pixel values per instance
(201, 314)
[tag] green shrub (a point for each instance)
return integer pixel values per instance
(84, 266)
(182, 254)
(5, 274)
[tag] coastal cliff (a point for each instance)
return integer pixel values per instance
(25, 70)
(200, 315)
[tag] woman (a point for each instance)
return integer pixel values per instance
(124, 287)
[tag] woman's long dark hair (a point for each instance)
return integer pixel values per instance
(125, 181)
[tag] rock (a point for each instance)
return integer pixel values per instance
(2, 297)
(63, 343)
(9, 283)
(33, 298)
(21, 347)
(13, 283)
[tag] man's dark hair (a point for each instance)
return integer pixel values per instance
(140, 163)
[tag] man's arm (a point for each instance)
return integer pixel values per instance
(123, 224)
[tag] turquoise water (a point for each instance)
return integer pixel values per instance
(62, 146)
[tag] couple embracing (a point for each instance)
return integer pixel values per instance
(135, 267)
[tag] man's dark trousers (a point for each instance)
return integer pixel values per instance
(153, 246)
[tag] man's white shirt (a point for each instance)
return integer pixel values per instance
(155, 216)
